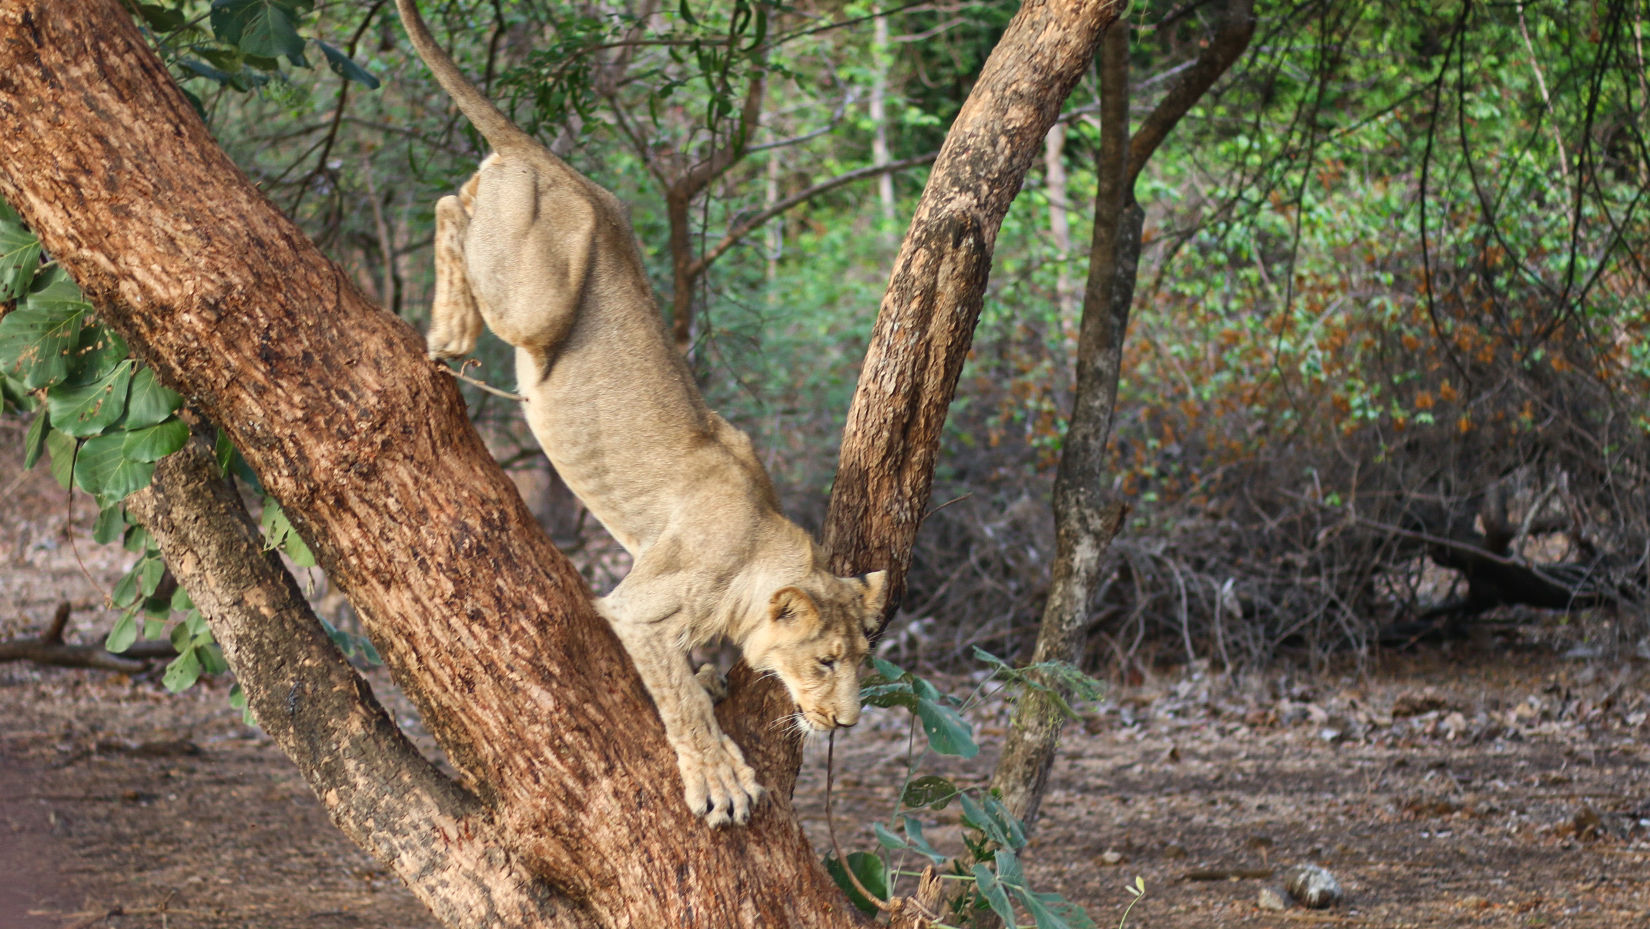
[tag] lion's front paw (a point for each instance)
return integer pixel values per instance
(719, 785)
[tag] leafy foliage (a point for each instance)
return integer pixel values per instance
(993, 836)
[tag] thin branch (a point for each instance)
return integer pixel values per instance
(756, 220)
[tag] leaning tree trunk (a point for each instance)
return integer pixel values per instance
(1085, 519)
(553, 818)
(926, 323)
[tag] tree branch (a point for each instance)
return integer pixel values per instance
(374, 783)
(754, 222)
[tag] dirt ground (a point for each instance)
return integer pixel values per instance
(1500, 782)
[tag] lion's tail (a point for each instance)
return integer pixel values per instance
(502, 134)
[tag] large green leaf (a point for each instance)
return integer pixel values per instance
(122, 635)
(151, 402)
(99, 352)
(948, 733)
(993, 893)
(62, 449)
(344, 67)
(268, 28)
(183, 672)
(1052, 911)
(35, 441)
(870, 870)
(155, 442)
(38, 339)
(103, 469)
(87, 409)
(930, 790)
(19, 257)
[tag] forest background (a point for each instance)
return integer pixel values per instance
(1391, 299)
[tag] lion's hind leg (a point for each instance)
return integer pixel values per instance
(455, 319)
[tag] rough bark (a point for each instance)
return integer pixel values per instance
(482, 623)
(374, 783)
(927, 318)
(1086, 519)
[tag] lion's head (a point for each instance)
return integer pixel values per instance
(814, 639)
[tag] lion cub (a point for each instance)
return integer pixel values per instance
(548, 261)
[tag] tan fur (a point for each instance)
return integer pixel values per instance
(548, 261)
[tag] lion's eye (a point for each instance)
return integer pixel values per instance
(827, 663)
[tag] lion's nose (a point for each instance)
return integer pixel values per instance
(845, 720)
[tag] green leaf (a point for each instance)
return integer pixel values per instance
(38, 338)
(35, 442)
(102, 469)
(212, 660)
(62, 448)
(930, 791)
(126, 589)
(993, 893)
(1009, 871)
(976, 817)
(887, 838)
(150, 572)
(948, 733)
(180, 637)
(342, 66)
(151, 402)
(155, 442)
(1052, 911)
(183, 672)
(871, 872)
(87, 409)
(111, 523)
(261, 27)
(919, 842)
(137, 539)
(152, 627)
(1008, 822)
(160, 18)
(278, 533)
(157, 607)
(181, 601)
(98, 353)
(122, 635)
(19, 259)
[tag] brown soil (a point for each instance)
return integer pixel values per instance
(1501, 783)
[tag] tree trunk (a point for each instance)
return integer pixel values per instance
(1085, 519)
(377, 787)
(1059, 222)
(483, 624)
(927, 318)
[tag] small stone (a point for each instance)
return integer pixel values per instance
(1174, 851)
(1111, 858)
(1313, 886)
(1272, 898)
(1475, 902)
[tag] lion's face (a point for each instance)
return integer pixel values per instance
(815, 640)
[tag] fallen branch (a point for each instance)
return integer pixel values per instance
(50, 649)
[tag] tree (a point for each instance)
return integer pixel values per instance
(551, 820)
(1085, 519)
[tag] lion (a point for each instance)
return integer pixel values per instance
(547, 260)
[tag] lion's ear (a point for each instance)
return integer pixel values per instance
(792, 605)
(875, 598)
